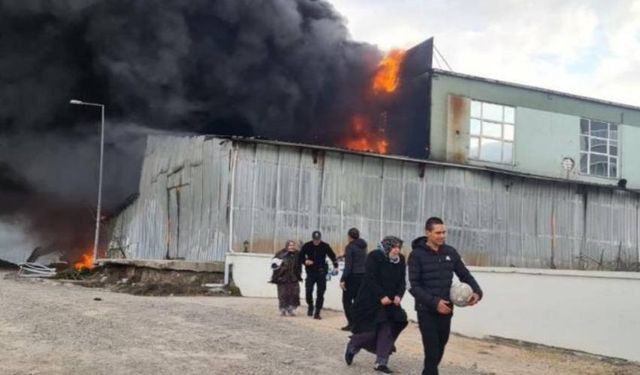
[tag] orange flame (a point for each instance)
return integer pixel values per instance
(364, 138)
(85, 262)
(382, 146)
(364, 134)
(387, 77)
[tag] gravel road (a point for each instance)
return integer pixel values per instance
(48, 327)
(51, 327)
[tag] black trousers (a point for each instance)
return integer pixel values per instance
(381, 342)
(434, 329)
(349, 295)
(319, 279)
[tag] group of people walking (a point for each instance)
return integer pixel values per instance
(374, 284)
(287, 273)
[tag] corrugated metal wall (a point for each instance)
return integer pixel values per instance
(182, 208)
(285, 192)
(494, 219)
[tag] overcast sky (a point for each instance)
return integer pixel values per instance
(584, 47)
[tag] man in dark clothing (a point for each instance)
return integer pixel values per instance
(314, 257)
(432, 264)
(355, 255)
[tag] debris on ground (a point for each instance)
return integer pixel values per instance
(35, 270)
(148, 281)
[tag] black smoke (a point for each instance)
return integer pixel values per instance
(280, 69)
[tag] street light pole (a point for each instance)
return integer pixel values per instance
(96, 237)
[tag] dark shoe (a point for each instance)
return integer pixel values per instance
(317, 316)
(348, 356)
(310, 311)
(346, 328)
(383, 368)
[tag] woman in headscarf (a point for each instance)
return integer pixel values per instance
(287, 275)
(378, 317)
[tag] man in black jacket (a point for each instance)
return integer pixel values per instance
(314, 257)
(355, 255)
(432, 264)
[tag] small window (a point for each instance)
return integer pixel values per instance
(491, 132)
(599, 148)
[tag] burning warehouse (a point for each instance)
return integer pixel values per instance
(472, 159)
(314, 131)
(233, 126)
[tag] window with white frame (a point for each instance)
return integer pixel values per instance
(491, 132)
(598, 148)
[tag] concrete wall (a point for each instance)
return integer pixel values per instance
(630, 161)
(595, 312)
(543, 139)
(547, 127)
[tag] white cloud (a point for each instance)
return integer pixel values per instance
(585, 47)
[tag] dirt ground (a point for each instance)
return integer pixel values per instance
(55, 327)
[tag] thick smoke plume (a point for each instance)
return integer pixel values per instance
(281, 69)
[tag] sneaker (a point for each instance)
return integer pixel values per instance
(283, 312)
(346, 328)
(383, 368)
(348, 356)
(291, 311)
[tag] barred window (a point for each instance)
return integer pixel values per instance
(598, 148)
(491, 132)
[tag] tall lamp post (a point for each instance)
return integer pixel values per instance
(96, 238)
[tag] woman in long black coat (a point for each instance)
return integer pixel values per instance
(378, 317)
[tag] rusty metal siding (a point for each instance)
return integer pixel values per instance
(458, 110)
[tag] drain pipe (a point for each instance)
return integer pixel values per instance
(232, 168)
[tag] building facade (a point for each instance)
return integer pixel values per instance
(523, 176)
(201, 197)
(529, 130)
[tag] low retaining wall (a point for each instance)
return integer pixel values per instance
(170, 265)
(158, 277)
(594, 312)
